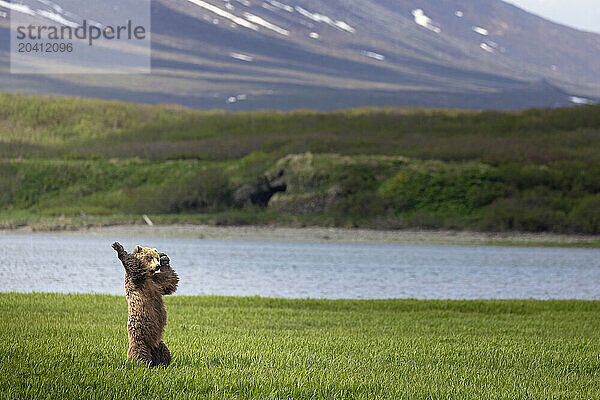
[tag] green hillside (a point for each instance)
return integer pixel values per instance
(67, 161)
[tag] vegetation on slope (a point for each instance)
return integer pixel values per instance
(536, 170)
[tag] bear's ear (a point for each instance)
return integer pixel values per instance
(137, 249)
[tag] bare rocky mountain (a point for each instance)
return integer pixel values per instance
(254, 54)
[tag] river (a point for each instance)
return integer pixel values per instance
(80, 263)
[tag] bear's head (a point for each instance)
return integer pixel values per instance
(148, 256)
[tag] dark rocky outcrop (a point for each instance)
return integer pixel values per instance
(260, 193)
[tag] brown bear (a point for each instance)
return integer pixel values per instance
(148, 277)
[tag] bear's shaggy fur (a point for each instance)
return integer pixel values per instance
(148, 277)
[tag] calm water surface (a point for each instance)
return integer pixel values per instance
(87, 264)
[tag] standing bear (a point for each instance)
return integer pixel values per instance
(148, 277)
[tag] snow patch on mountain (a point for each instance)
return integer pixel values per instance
(17, 7)
(235, 99)
(242, 57)
(269, 7)
(264, 23)
(480, 30)
(341, 25)
(580, 100)
(281, 6)
(53, 16)
(487, 48)
(344, 26)
(57, 18)
(225, 14)
(52, 5)
(423, 20)
(373, 55)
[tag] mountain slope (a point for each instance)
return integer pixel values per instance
(249, 54)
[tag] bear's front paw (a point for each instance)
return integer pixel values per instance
(118, 248)
(164, 260)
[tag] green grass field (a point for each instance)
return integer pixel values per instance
(73, 347)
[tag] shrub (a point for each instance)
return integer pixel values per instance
(518, 214)
(356, 178)
(8, 185)
(585, 217)
(450, 190)
(207, 190)
(359, 206)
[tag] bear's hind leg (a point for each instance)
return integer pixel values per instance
(140, 353)
(161, 356)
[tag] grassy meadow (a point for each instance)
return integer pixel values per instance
(77, 162)
(74, 346)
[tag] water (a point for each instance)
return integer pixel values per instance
(87, 264)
